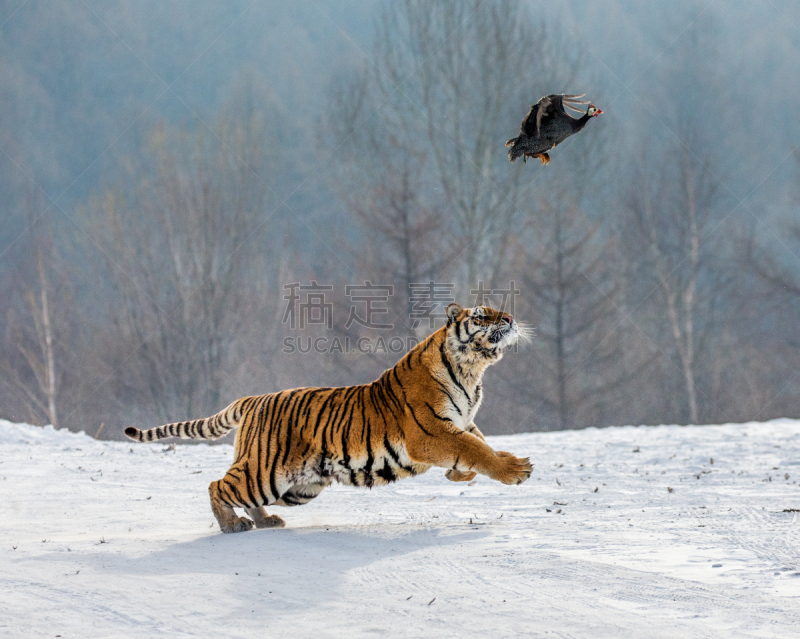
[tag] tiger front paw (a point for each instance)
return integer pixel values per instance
(457, 475)
(511, 469)
(271, 521)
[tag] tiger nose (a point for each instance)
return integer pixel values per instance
(508, 318)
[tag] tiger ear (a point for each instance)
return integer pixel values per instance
(453, 311)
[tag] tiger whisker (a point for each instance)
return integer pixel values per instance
(525, 332)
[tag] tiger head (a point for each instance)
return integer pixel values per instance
(478, 336)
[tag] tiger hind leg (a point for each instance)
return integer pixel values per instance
(223, 509)
(457, 475)
(263, 520)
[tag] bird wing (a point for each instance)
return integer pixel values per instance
(573, 99)
(529, 123)
(548, 108)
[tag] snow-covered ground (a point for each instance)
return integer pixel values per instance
(109, 539)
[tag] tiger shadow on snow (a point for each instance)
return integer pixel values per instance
(290, 569)
(295, 569)
(317, 549)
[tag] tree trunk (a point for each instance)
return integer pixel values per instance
(559, 330)
(688, 296)
(683, 336)
(49, 358)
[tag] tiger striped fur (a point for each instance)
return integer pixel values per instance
(292, 444)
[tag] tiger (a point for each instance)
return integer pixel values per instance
(420, 413)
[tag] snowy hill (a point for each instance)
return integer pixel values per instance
(102, 539)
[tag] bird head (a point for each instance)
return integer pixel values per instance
(593, 111)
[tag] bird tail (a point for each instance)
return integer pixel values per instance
(212, 427)
(513, 151)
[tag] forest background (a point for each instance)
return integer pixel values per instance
(194, 193)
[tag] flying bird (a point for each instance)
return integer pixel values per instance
(547, 125)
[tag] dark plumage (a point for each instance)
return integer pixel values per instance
(547, 125)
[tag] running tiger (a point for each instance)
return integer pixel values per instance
(292, 444)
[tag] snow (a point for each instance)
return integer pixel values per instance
(110, 539)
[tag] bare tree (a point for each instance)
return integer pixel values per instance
(403, 238)
(570, 285)
(32, 328)
(42, 361)
(770, 303)
(179, 251)
(672, 216)
(448, 81)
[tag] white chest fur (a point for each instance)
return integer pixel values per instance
(462, 403)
